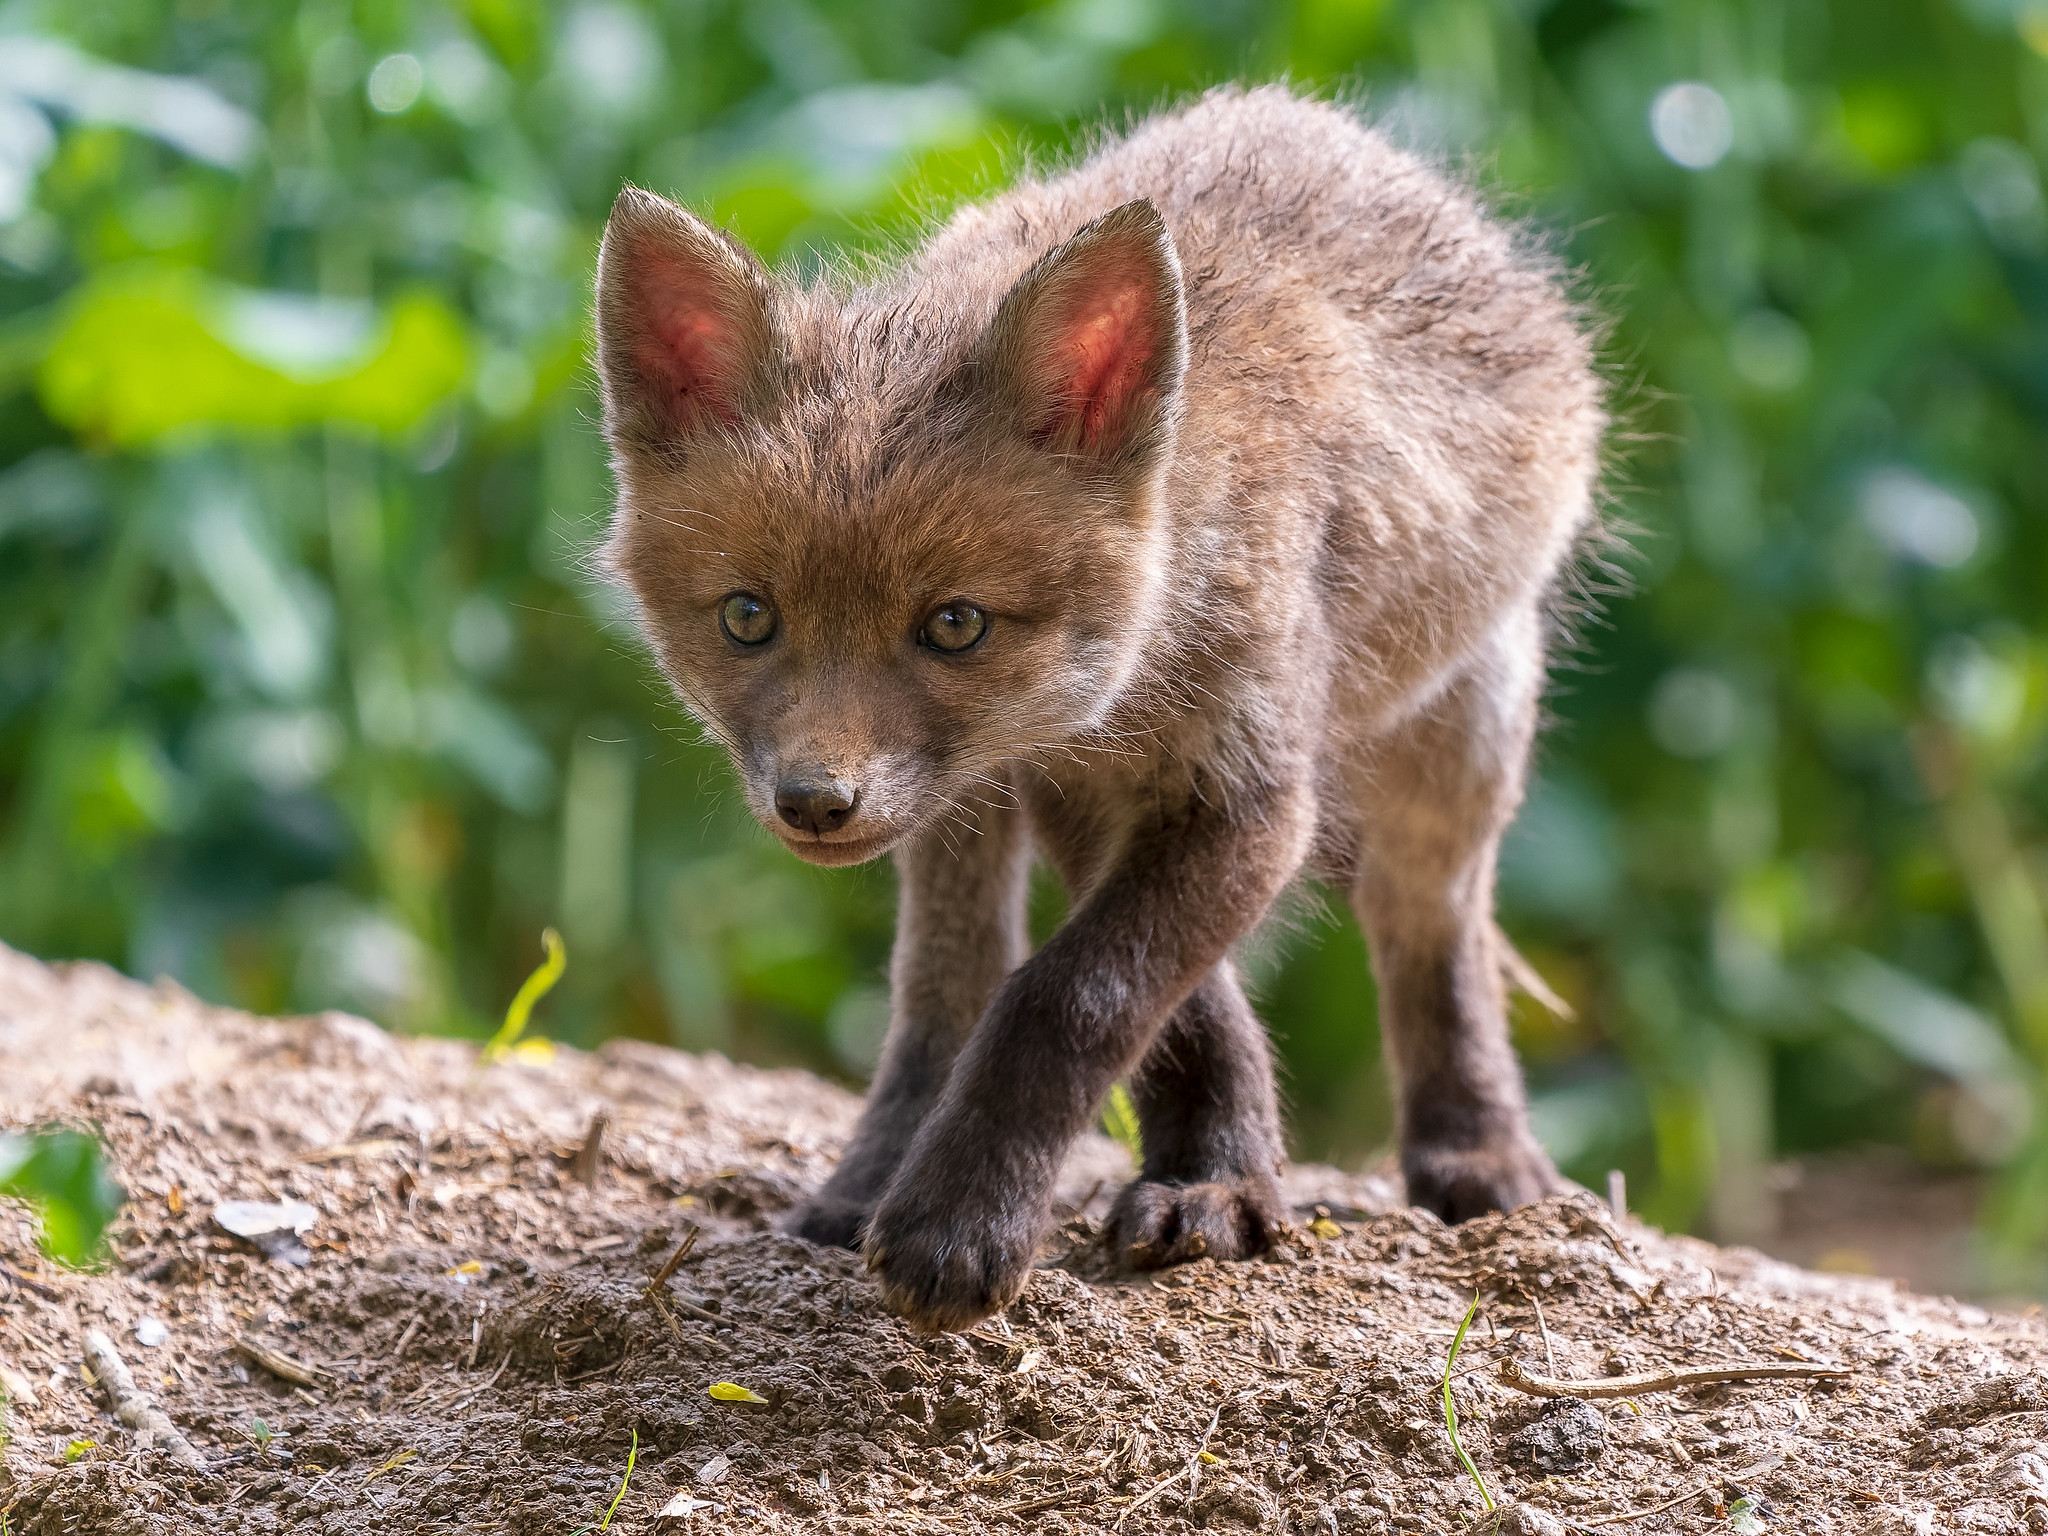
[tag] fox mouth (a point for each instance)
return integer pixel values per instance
(835, 852)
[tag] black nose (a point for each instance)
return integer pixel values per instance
(816, 805)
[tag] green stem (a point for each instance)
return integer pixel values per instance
(632, 1455)
(1451, 1408)
(531, 991)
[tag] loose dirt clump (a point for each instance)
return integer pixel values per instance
(487, 1327)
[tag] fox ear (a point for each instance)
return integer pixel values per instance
(685, 340)
(1091, 344)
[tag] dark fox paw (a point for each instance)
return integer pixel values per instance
(1153, 1224)
(1459, 1183)
(946, 1264)
(828, 1222)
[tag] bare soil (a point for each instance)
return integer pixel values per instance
(487, 1355)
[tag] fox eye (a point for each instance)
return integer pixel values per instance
(747, 619)
(955, 627)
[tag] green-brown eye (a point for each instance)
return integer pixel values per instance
(747, 619)
(955, 627)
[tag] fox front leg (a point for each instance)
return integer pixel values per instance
(954, 1236)
(960, 930)
(1210, 1123)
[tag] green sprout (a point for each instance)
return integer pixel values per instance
(263, 1435)
(535, 987)
(632, 1455)
(604, 1524)
(1451, 1408)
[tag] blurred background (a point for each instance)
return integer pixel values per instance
(307, 697)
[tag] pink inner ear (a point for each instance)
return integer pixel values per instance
(689, 353)
(1100, 359)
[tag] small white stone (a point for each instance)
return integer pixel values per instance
(151, 1332)
(682, 1506)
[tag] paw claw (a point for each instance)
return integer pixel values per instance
(1154, 1224)
(943, 1272)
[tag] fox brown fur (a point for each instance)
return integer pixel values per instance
(1185, 519)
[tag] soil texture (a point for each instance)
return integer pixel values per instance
(480, 1325)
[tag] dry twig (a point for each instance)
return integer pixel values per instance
(589, 1159)
(478, 1391)
(1191, 1469)
(275, 1362)
(674, 1260)
(131, 1406)
(668, 1318)
(405, 1338)
(1637, 1514)
(30, 1283)
(1512, 1375)
(1549, 1354)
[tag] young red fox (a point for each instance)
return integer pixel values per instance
(1186, 519)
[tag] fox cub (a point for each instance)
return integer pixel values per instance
(1185, 520)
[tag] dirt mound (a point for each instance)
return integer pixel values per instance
(481, 1349)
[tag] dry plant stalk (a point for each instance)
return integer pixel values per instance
(1191, 1469)
(131, 1406)
(1640, 1514)
(276, 1362)
(405, 1338)
(1666, 1380)
(589, 1159)
(656, 1290)
(30, 1283)
(674, 1260)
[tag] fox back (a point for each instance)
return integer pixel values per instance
(1303, 410)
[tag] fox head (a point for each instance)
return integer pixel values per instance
(884, 542)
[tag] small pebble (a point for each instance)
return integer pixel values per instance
(1565, 1437)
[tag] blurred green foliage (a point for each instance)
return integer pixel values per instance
(63, 1176)
(307, 696)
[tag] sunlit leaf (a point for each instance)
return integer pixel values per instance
(733, 1392)
(63, 1174)
(145, 352)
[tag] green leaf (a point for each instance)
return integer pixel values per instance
(1451, 1407)
(64, 1175)
(733, 1392)
(145, 351)
(632, 1457)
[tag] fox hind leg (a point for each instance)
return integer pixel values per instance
(1210, 1124)
(1439, 792)
(960, 929)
